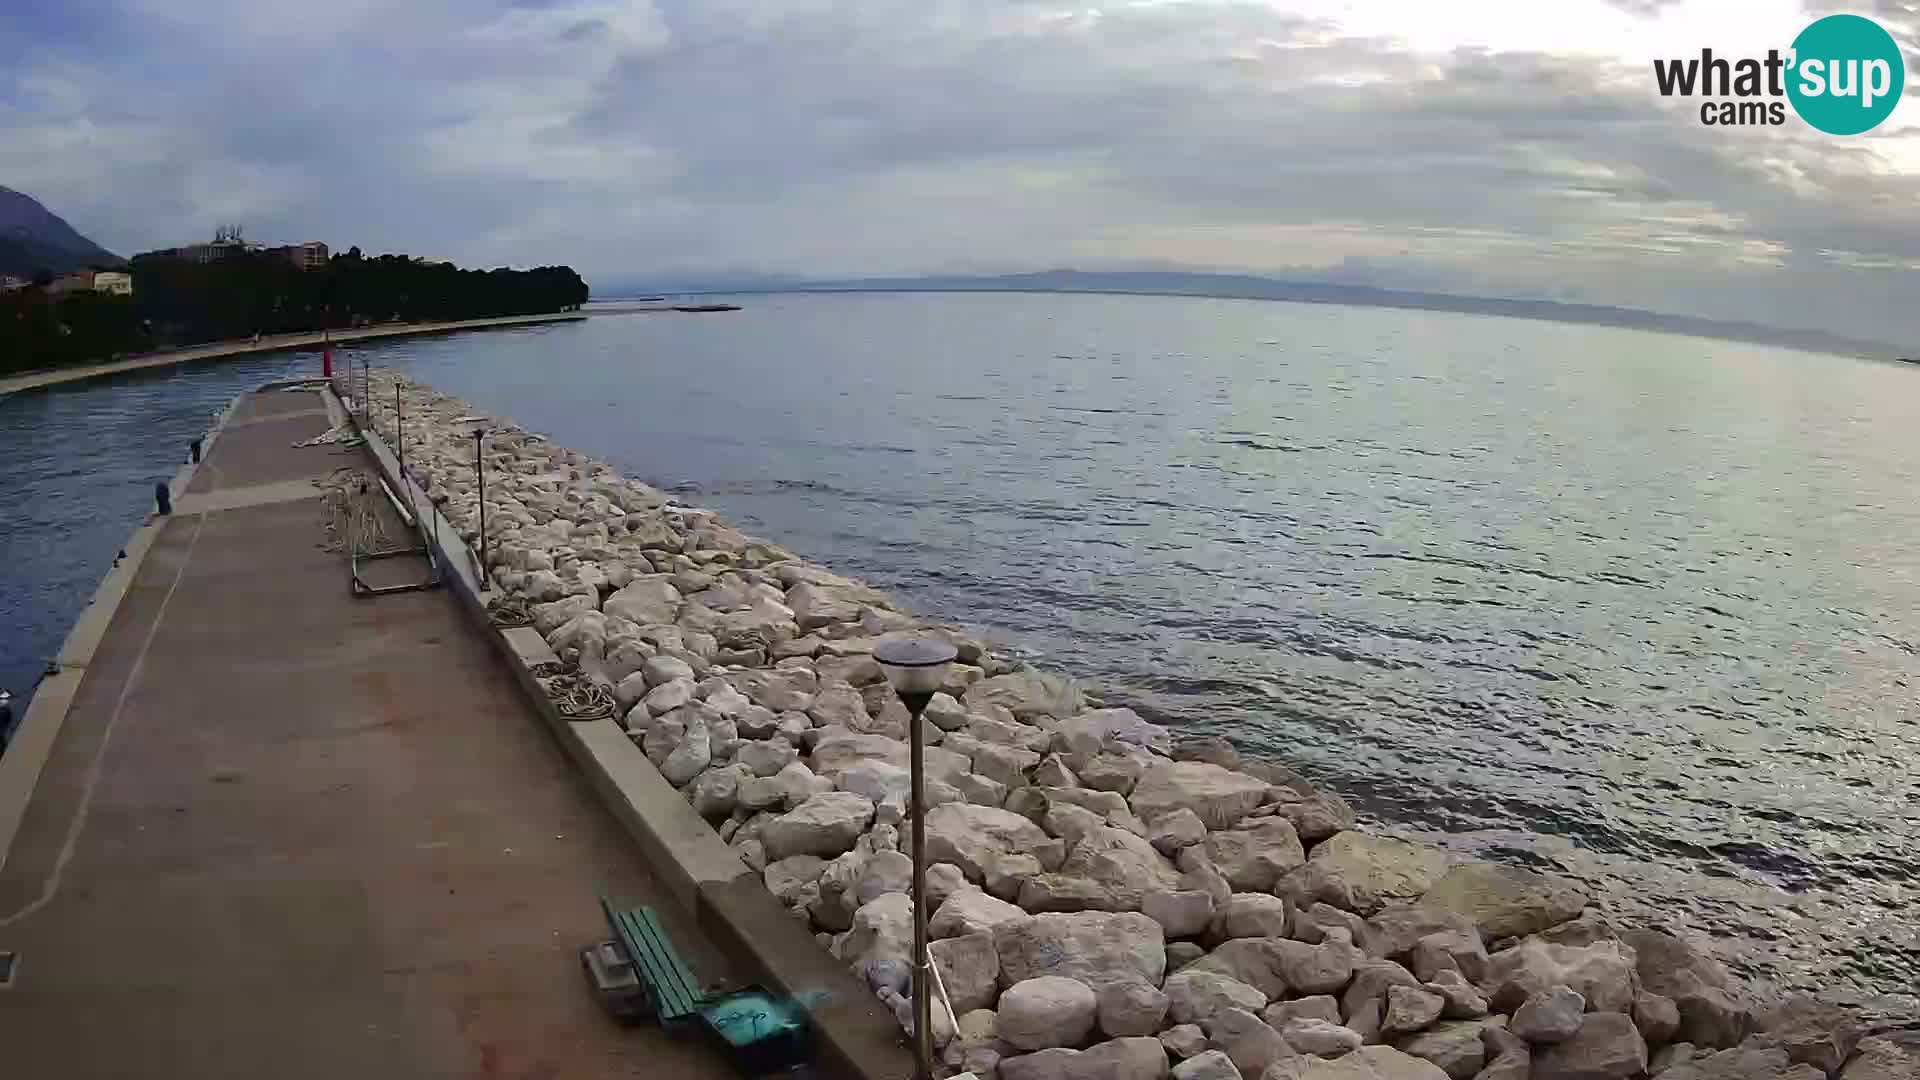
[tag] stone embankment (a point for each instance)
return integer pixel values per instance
(1110, 904)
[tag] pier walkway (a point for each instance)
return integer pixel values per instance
(283, 832)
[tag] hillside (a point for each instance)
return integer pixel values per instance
(33, 238)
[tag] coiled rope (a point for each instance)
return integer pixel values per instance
(577, 697)
(508, 612)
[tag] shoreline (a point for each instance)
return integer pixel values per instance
(1071, 843)
(278, 343)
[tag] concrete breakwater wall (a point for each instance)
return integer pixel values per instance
(1108, 901)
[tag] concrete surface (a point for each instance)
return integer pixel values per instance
(286, 832)
(854, 1034)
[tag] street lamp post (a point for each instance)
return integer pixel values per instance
(915, 667)
(478, 424)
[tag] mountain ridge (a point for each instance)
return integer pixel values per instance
(33, 238)
(1260, 287)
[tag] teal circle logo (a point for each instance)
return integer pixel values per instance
(1847, 74)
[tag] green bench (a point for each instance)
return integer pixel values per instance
(639, 975)
(671, 988)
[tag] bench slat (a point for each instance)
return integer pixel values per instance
(666, 975)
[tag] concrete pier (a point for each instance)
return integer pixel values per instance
(264, 828)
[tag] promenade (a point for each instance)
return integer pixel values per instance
(275, 343)
(258, 827)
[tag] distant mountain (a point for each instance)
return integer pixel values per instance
(33, 238)
(1254, 287)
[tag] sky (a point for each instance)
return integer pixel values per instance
(1515, 149)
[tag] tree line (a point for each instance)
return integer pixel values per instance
(178, 303)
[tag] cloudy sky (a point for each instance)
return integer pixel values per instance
(1508, 148)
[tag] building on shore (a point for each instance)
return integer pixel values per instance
(79, 281)
(117, 282)
(311, 255)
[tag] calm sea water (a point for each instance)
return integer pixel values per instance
(1638, 607)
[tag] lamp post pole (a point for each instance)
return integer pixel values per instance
(915, 668)
(480, 477)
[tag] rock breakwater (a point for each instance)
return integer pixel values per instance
(1108, 901)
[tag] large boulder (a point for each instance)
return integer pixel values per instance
(1046, 1011)
(1251, 915)
(1194, 995)
(1182, 913)
(1812, 1032)
(971, 911)
(1103, 731)
(1028, 694)
(1315, 815)
(650, 601)
(1219, 797)
(1126, 865)
(1884, 1059)
(879, 947)
(1713, 1010)
(975, 837)
(1550, 1016)
(1363, 873)
(836, 749)
(1118, 1059)
(1457, 1048)
(1246, 1039)
(1095, 947)
(1253, 857)
(1131, 1008)
(1607, 1047)
(1370, 1063)
(1207, 1065)
(1603, 973)
(969, 969)
(1507, 901)
(779, 690)
(825, 825)
(1321, 1038)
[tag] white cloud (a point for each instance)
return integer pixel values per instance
(1473, 146)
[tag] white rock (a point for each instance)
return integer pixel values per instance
(826, 825)
(879, 947)
(969, 969)
(660, 670)
(1219, 797)
(947, 713)
(1210, 1065)
(1320, 1038)
(1253, 857)
(715, 793)
(1252, 915)
(766, 758)
(1028, 694)
(1006, 764)
(838, 704)
(1046, 1011)
(1549, 1016)
(650, 601)
(979, 790)
(787, 877)
(1131, 1008)
(692, 757)
(1094, 947)
(1118, 1059)
(973, 837)
(1174, 830)
(1363, 873)
(1184, 1040)
(1181, 913)
(1194, 995)
(971, 911)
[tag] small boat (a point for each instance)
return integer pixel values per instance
(706, 307)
